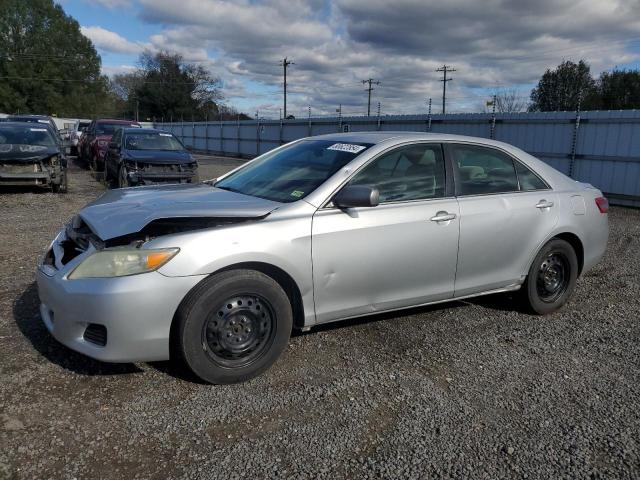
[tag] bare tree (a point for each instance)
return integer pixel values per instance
(509, 101)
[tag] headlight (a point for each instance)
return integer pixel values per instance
(102, 143)
(119, 262)
(53, 160)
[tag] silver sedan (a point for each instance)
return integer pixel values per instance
(322, 229)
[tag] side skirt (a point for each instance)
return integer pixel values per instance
(509, 288)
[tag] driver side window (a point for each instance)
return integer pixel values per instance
(413, 172)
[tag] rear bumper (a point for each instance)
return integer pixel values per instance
(136, 311)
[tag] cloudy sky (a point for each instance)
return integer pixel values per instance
(492, 44)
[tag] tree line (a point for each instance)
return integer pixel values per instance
(47, 66)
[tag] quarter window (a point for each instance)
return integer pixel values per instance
(484, 170)
(528, 179)
(414, 172)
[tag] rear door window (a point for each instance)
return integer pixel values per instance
(528, 179)
(483, 170)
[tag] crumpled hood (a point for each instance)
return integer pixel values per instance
(128, 210)
(26, 153)
(158, 156)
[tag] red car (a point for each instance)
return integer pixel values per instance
(94, 143)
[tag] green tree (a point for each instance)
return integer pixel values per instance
(619, 90)
(46, 65)
(560, 89)
(164, 86)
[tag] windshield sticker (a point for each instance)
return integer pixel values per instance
(297, 193)
(165, 135)
(346, 147)
(38, 129)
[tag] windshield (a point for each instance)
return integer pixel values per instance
(293, 172)
(28, 134)
(152, 141)
(110, 128)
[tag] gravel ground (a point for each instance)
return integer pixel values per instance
(467, 389)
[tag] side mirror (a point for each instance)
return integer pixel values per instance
(113, 145)
(357, 196)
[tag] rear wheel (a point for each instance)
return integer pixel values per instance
(233, 326)
(552, 277)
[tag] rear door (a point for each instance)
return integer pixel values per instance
(506, 212)
(397, 254)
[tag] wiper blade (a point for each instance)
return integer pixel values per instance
(228, 189)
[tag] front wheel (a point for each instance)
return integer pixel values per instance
(63, 186)
(123, 177)
(233, 326)
(552, 277)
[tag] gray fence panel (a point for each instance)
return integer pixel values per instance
(605, 147)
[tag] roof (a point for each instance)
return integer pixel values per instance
(144, 130)
(116, 121)
(35, 117)
(393, 137)
(27, 125)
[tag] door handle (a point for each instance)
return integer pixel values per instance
(544, 204)
(443, 216)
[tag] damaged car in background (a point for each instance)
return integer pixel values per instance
(218, 274)
(31, 155)
(146, 157)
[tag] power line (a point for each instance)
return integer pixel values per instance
(445, 69)
(285, 63)
(369, 89)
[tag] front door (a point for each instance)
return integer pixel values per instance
(400, 253)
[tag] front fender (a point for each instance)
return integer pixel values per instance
(281, 241)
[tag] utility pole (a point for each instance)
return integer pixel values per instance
(285, 63)
(369, 89)
(445, 69)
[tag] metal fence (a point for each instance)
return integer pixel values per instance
(600, 147)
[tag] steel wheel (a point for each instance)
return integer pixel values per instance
(123, 178)
(552, 279)
(232, 326)
(238, 331)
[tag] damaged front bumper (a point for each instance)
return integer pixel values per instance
(31, 174)
(122, 319)
(152, 174)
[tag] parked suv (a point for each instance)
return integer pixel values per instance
(95, 141)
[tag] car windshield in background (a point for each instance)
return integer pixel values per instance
(293, 172)
(152, 141)
(28, 134)
(110, 128)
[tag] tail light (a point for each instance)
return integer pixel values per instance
(602, 204)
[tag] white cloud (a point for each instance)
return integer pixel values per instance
(111, 4)
(337, 43)
(110, 41)
(111, 70)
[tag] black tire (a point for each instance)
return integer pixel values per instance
(551, 278)
(93, 163)
(123, 178)
(63, 186)
(233, 326)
